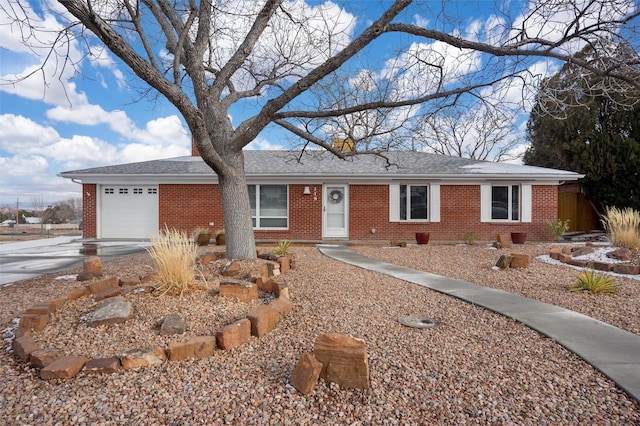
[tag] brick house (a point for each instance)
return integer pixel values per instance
(316, 196)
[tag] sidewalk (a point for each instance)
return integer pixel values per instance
(612, 351)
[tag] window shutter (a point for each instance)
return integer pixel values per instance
(394, 203)
(485, 203)
(526, 203)
(434, 213)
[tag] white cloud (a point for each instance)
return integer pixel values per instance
(263, 144)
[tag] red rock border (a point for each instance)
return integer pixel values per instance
(565, 255)
(260, 320)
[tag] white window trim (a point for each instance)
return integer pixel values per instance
(433, 203)
(257, 215)
(525, 203)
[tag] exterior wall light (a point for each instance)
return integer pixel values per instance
(306, 191)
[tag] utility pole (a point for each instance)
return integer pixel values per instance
(17, 213)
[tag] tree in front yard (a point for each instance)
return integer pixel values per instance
(373, 70)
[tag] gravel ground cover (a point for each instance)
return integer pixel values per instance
(475, 367)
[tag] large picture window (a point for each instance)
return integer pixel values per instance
(269, 206)
(505, 202)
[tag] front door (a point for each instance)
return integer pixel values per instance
(335, 207)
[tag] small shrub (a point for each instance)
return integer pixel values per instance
(468, 237)
(595, 283)
(623, 227)
(282, 248)
(175, 256)
(557, 229)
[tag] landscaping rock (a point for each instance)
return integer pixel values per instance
(263, 319)
(234, 335)
(63, 368)
(111, 311)
(231, 269)
(173, 324)
(143, 357)
(602, 266)
(281, 289)
(242, 290)
(581, 263)
(626, 268)
(344, 360)
(102, 366)
(105, 294)
(555, 253)
(99, 286)
(129, 281)
(565, 258)
(582, 251)
(520, 260)
(24, 346)
(34, 322)
(196, 347)
(285, 264)
(623, 254)
(93, 265)
(504, 240)
(504, 261)
(43, 357)
(306, 374)
(41, 309)
(282, 306)
(77, 293)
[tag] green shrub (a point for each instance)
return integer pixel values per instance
(557, 229)
(595, 283)
(175, 256)
(623, 227)
(282, 248)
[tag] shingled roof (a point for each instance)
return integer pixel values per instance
(287, 165)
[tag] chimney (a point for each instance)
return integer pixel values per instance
(344, 144)
(194, 148)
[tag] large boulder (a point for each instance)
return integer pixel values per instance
(344, 360)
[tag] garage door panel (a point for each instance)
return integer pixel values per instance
(129, 211)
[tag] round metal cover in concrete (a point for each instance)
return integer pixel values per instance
(417, 321)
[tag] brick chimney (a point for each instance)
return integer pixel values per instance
(194, 148)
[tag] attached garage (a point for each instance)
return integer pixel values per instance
(129, 211)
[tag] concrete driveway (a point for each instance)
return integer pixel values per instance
(29, 259)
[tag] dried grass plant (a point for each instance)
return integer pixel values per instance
(175, 256)
(623, 227)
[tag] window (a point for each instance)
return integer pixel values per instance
(417, 203)
(138, 191)
(269, 206)
(123, 190)
(505, 202)
(413, 202)
(108, 190)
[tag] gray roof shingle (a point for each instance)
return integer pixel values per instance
(323, 163)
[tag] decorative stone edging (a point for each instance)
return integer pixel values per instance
(260, 320)
(568, 255)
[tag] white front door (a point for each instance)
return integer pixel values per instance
(335, 208)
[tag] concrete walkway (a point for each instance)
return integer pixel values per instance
(612, 351)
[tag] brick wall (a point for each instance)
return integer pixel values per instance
(186, 207)
(89, 210)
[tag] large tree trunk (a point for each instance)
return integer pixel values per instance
(236, 209)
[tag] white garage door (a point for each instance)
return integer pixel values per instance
(129, 211)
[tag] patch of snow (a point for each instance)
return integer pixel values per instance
(67, 277)
(599, 255)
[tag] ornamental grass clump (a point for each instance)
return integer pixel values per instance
(623, 227)
(175, 256)
(595, 283)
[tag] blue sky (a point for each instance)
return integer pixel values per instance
(57, 120)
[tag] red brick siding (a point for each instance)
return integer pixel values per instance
(89, 211)
(186, 207)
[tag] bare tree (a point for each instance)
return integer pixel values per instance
(206, 57)
(481, 132)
